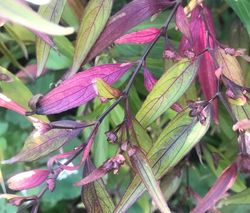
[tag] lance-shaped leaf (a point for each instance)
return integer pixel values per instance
(46, 139)
(149, 79)
(51, 12)
(27, 180)
(104, 90)
(142, 167)
(94, 195)
(129, 16)
(139, 37)
(79, 89)
(219, 188)
(94, 19)
(175, 141)
(19, 13)
(14, 90)
(168, 89)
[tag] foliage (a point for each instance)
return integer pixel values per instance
(124, 106)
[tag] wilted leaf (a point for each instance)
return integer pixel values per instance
(139, 37)
(94, 195)
(141, 165)
(79, 89)
(219, 188)
(41, 142)
(94, 20)
(168, 89)
(51, 12)
(19, 13)
(175, 141)
(129, 16)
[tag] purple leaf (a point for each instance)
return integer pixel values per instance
(79, 89)
(218, 190)
(149, 79)
(182, 23)
(139, 37)
(27, 180)
(129, 16)
(113, 163)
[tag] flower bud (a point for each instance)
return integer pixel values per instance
(27, 180)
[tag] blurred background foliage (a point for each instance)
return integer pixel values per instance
(219, 146)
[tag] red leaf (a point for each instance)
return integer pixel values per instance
(129, 16)
(139, 37)
(218, 190)
(79, 89)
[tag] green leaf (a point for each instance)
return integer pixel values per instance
(101, 144)
(141, 165)
(39, 144)
(16, 38)
(51, 12)
(140, 136)
(242, 9)
(17, 12)
(94, 20)
(168, 89)
(237, 199)
(175, 141)
(17, 91)
(94, 195)
(241, 112)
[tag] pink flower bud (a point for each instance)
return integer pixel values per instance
(10, 104)
(27, 180)
(149, 80)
